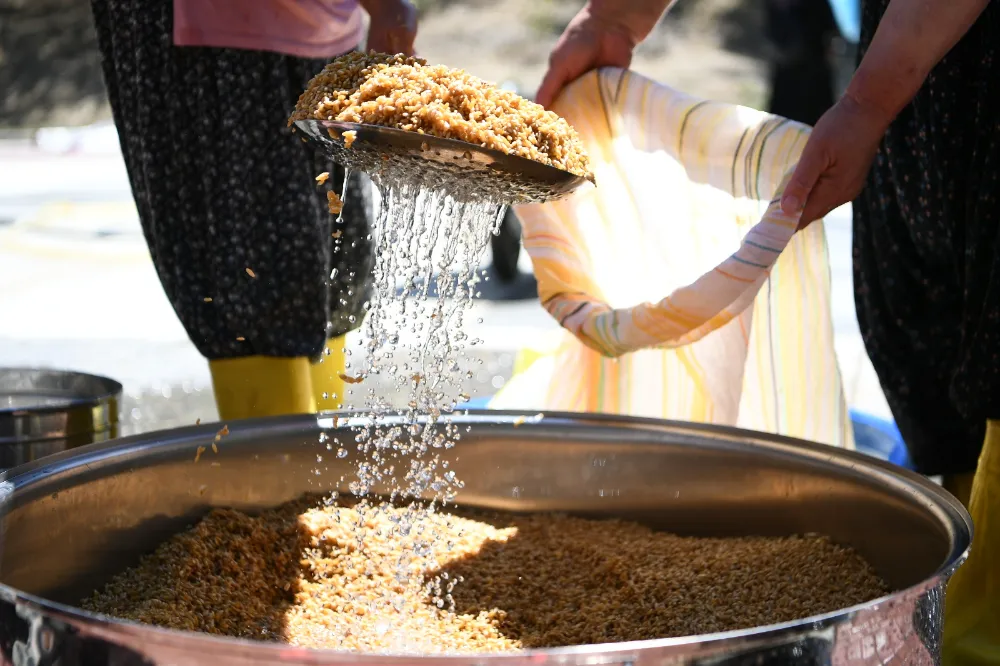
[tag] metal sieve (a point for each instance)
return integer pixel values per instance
(464, 170)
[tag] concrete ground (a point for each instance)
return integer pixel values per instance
(78, 290)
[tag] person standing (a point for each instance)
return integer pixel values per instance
(263, 279)
(915, 142)
(923, 169)
(801, 76)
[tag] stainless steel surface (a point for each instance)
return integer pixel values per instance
(106, 505)
(465, 169)
(47, 411)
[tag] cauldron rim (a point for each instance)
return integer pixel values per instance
(17, 482)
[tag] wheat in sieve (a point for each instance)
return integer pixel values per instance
(464, 170)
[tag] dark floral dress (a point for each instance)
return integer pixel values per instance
(927, 253)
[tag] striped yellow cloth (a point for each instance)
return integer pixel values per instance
(687, 291)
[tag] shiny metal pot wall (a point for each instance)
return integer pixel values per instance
(47, 411)
(73, 520)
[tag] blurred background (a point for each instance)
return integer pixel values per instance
(77, 288)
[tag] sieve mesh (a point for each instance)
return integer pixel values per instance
(464, 170)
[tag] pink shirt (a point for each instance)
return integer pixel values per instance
(303, 28)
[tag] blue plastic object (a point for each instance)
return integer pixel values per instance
(879, 438)
(848, 16)
(477, 403)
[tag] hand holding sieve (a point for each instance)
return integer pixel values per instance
(465, 170)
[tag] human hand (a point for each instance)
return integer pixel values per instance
(393, 26)
(835, 162)
(589, 42)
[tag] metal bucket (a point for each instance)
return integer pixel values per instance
(73, 520)
(48, 411)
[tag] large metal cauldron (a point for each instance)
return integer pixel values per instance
(73, 520)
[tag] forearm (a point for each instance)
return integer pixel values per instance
(913, 36)
(638, 17)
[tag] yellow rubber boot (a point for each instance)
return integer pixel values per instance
(327, 385)
(972, 605)
(959, 485)
(255, 386)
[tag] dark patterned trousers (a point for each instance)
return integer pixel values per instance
(238, 229)
(927, 253)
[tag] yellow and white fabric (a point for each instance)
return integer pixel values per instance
(687, 291)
